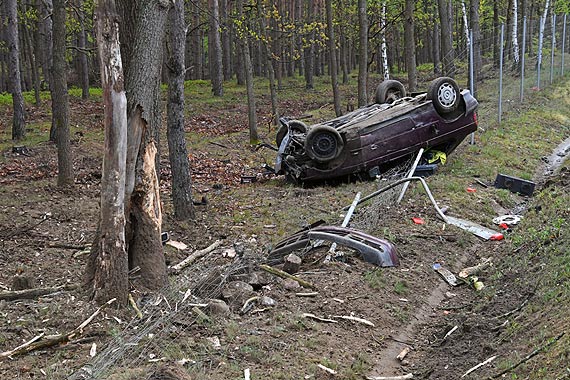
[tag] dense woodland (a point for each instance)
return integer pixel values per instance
(130, 48)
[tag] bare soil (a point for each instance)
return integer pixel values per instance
(45, 231)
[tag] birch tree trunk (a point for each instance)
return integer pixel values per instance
(384, 50)
(514, 37)
(332, 57)
(363, 54)
(18, 122)
(60, 102)
(177, 152)
(541, 31)
(107, 268)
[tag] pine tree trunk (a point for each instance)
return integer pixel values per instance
(362, 54)
(60, 102)
(18, 122)
(226, 45)
(436, 52)
(107, 266)
(448, 56)
(269, 63)
(215, 50)
(196, 35)
(410, 46)
(47, 33)
(310, 50)
(476, 33)
(332, 58)
(83, 61)
(177, 152)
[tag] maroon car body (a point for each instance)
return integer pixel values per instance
(378, 135)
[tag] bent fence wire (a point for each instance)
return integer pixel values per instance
(163, 332)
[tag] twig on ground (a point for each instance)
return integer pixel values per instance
(134, 305)
(33, 344)
(472, 369)
(313, 316)
(195, 256)
(33, 293)
(529, 356)
(403, 377)
(310, 294)
(327, 369)
(355, 319)
(283, 274)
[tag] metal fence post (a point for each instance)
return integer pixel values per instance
(501, 72)
(471, 73)
(553, 46)
(563, 44)
(523, 58)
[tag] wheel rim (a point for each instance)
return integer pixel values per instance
(446, 95)
(324, 145)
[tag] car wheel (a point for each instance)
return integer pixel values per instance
(323, 143)
(295, 125)
(389, 91)
(444, 93)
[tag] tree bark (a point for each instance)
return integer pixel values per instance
(47, 33)
(362, 54)
(310, 48)
(270, 68)
(18, 122)
(476, 33)
(332, 58)
(446, 38)
(436, 52)
(107, 267)
(60, 102)
(177, 152)
(83, 61)
(226, 45)
(215, 50)
(410, 45)
(196, 37)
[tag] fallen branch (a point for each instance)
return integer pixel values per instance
(355, 319)
(134, 306)
(34, 344)
(313, 316)
(283, 274)
(529, 356)
(33, 293)
(403, 377)
(310, 294)
(466, 272)
(403, 353)
(450, 332)
(479, 365)
(195, 256)
(327, 369)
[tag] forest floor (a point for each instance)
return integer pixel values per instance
(45, 233)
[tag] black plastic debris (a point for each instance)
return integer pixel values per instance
(514, 184)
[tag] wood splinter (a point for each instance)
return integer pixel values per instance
(195, 256)
(403, 377)
(403, 353)
(283, 274)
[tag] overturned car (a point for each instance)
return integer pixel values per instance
(374, 137)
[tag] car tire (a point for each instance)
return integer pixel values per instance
(323, 143)
(389, 91)
(445, 95)
(295, 125)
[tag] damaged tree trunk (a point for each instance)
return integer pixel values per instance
(141, 34)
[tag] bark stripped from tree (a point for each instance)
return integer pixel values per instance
(107, 269)
(18, 124)
(60, 102)
(177, 152)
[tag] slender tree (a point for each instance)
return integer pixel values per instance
(363, 53)
(18, 123)
(476, 33)
(215, 56)
(60, 102)
(82, 47)
(309, 52)
(448, 56)
(177, 152)
(332, 58)
(410, 45)
(270, 69)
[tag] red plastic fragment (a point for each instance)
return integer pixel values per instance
(418, 220)
(497, 237)
(471, 189)
(504, 226)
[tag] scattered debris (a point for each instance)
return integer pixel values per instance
(310, 294)
(446, 274)
(417, 220)
(355, 319)
(313, 316)
(93, 350)
(344, 224)
(218, 307)
(36, 344)
(292, 264)
(248, 179)
(476, 229)
(327, 369)
(450, 332)
(229, 253)
(237, 292)
(410, 174)
(478, 285)
(403, 377)
(471, 190)
(195, 256)
(514, 184)
(426, 170)
(134, 306)
(282, 274)
(215, 341)
(248, 304)
(246, 374)
(509, 220)
(34, 293)
(479, 365)
(469, 271)
(177, 244)
(403, 353)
